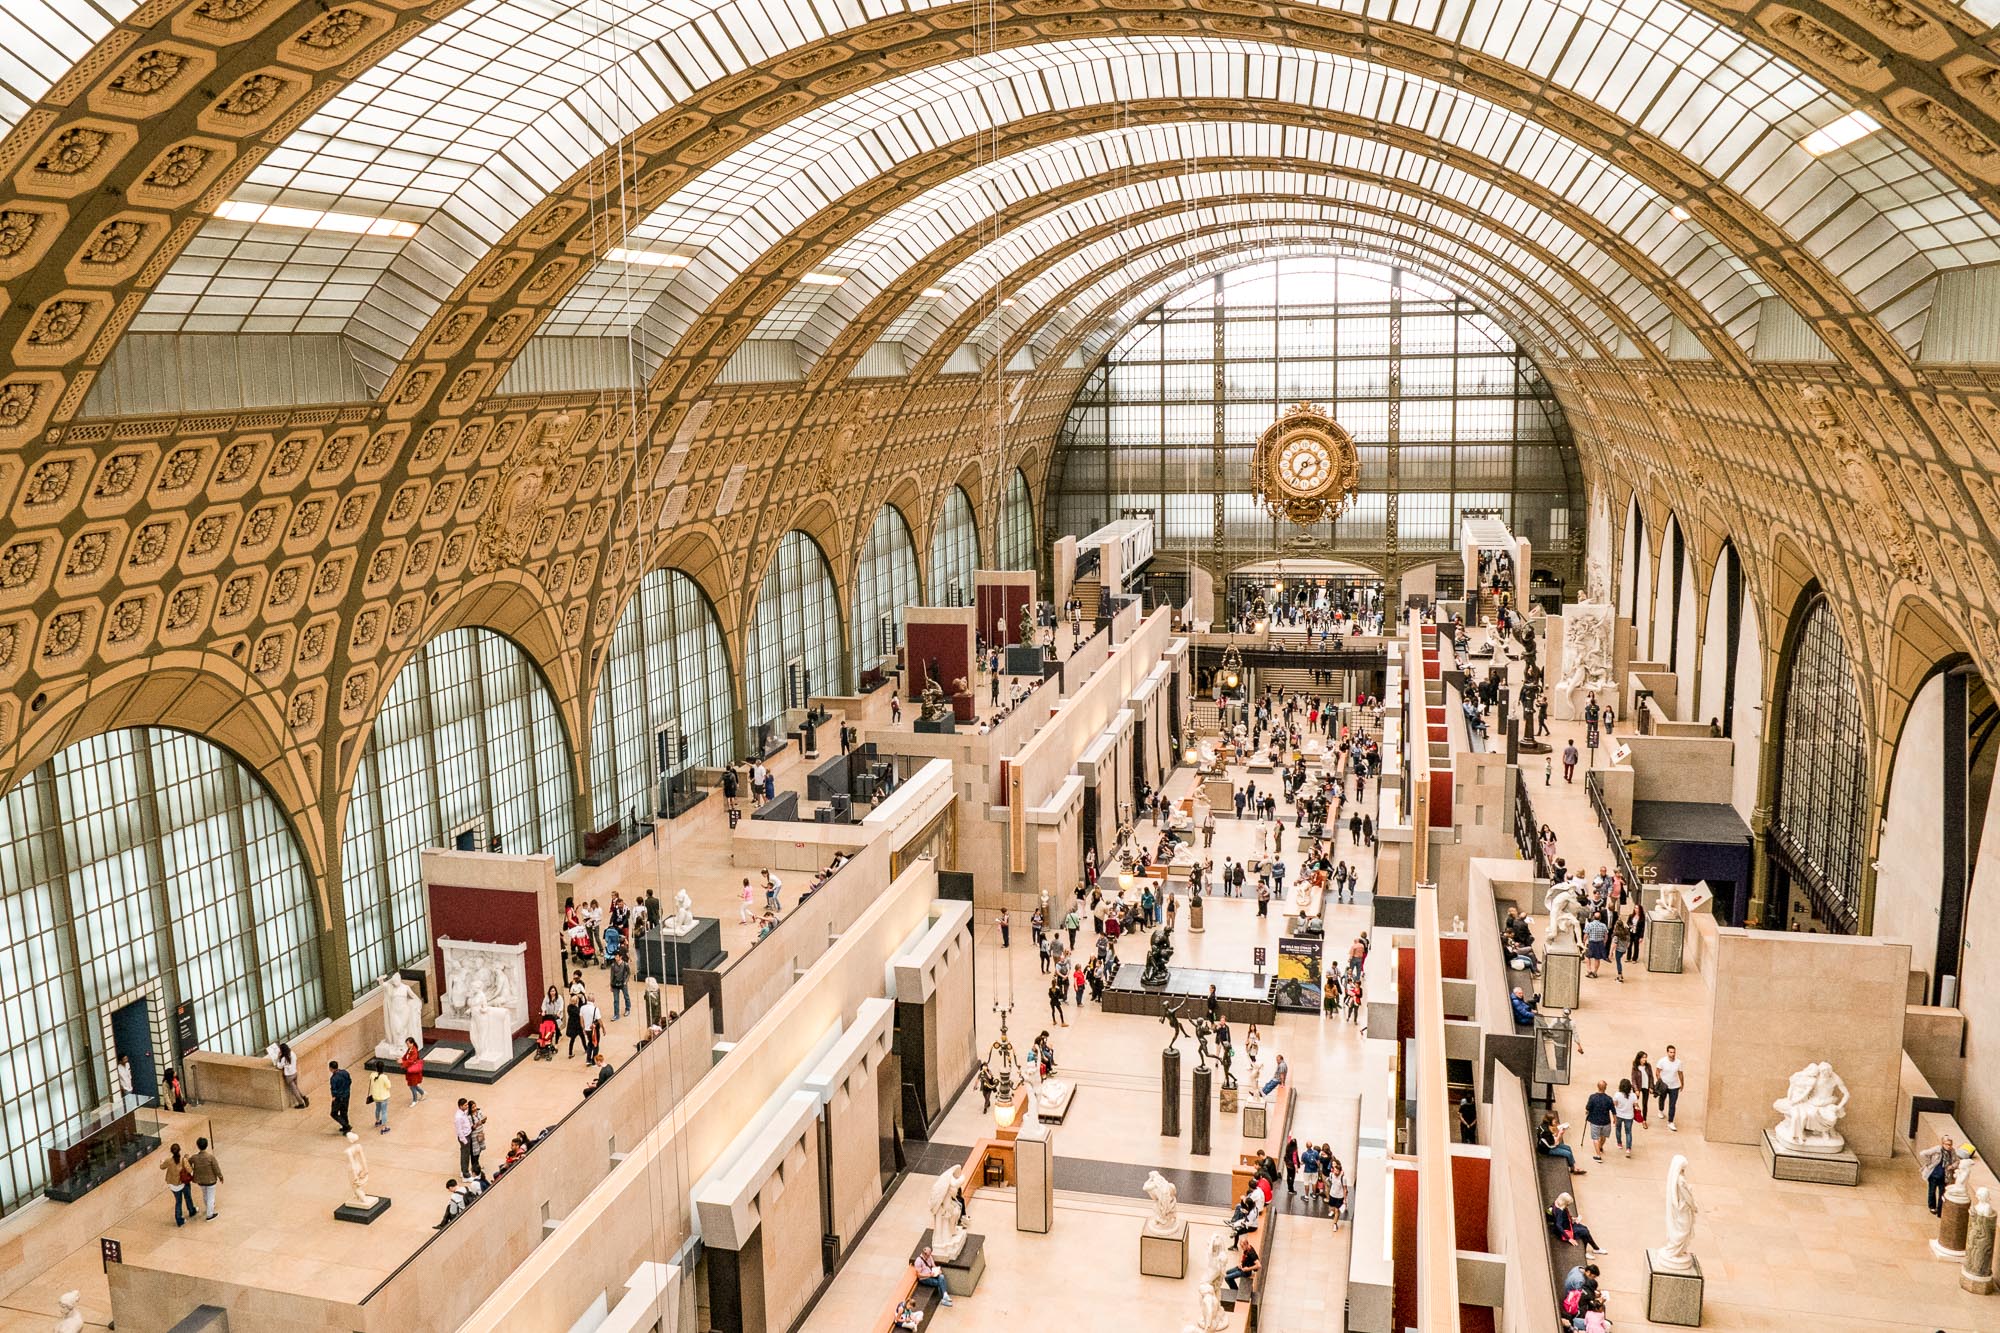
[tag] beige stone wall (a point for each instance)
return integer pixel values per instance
(1780, 1001)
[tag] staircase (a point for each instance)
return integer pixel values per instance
(1298, 680)
(1089, 593)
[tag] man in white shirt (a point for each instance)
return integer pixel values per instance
(461, 1125)
(589, 1015)
(773, 886)
(756, 782)
(1669, 1074)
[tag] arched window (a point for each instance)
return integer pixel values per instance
(795, 635)
(885, 581)
(667, 667)
(467, 749)
(141, 867)
(954, 550)
(1819, 834)
(1017, 525)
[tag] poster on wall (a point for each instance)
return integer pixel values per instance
(1299, 974)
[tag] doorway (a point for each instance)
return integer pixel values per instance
(132, 1037)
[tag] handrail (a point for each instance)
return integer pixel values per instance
(1527, 829)
(1593, 784)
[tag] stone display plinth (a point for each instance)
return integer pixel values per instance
(350, 1212)
(663, 954)
(1954, 1216)
(1202, 1111)
(1665, 938)
(1226, 1100)
(1024, 661)
(1256, 1119)
(1562, 978)
(1673, 1295)
(1819, 1168)
(1164, 1254)
(1170, 1094)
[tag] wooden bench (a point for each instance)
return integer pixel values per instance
(1552, 1177)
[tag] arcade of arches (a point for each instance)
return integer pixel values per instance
(448, 451)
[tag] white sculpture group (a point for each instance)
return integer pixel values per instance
(357, 1172)
(682, 921)
(1565, 911)
(1587, 661)
(1210, 1317)
(1810, 1112)
(948, 1232)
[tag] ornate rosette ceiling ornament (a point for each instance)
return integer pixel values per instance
(1304, 467)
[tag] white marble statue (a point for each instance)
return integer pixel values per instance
(402, 1017)
(682, 921)
(357, 1172)
(1681, 1210)
(1166, 1205)
(1210, 1317)
(1810, 1112)
(72, 1317)
(947, 1233)
(492, 1037)
(1303, 898)
(1253, 1080)
(1670, 905)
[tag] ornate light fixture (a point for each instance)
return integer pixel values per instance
(1003, 1066)
(1232, 667)
(1304, 468)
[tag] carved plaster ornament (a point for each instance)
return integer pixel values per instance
(507, 525)
(1881, 511)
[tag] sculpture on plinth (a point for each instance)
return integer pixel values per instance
(1224, 1052)
(402, 1017)
(1254, 1080)
(1976, 1273)
(1166, 1204)
(1171, 1016)
(1565, 911)
(1203, 1031)
(357, 1172)
(947, 1228)
(1676, 1254)
(682, 921)
(1028, 621)
(1811, 1110)
(933, 708)
(1157, 954)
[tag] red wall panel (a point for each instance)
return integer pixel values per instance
(490, 916)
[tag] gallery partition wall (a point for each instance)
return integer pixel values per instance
(139, 869)
(466, 751)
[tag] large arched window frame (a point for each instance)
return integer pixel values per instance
(1819, 827)
(794, 650)
(885, 582)
(954, 550)
(1166, 423)
(666, 666)
(468, 742)
(1017, 525)
(141, 863)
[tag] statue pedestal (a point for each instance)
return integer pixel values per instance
(962, 1273)
(1170, 1094)
(1666, 939)
(1673, 1295)
(935, 727)
(1202, 1110)
(664, 955)
(1256, 1119)
(1562, 978)
(1815, 1168)
(1194, 916)
(1164, 1253)
(1226, 1100)
(1954, 1216)
(351, 1212)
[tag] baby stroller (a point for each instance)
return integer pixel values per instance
(545, 1039)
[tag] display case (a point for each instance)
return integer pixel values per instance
(112, 1141)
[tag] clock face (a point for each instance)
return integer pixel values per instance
(1305, 465)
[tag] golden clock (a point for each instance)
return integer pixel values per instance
(1305, 468)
